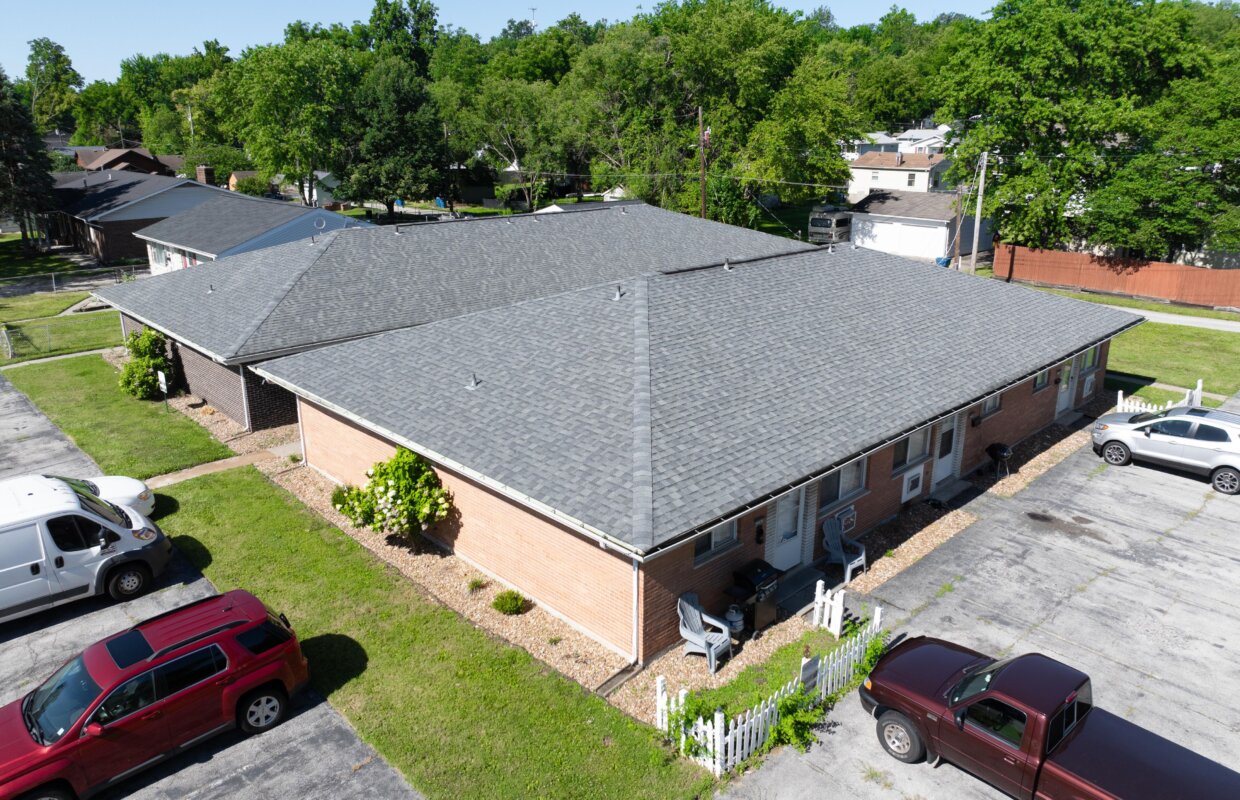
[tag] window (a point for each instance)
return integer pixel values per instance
(992, 404)
(265, 637)
(73, 533)
(1041, 380)
(719, 538)
(912, 179)
(874, 176)
(911, 448)
(1063, 722)
(1172, 427)
(133, 695)
(840, 484)
(998, 719)
(189, 670)
(1209, 433)
(1089, 359)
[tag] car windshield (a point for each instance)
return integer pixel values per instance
(77, 484)
(976, 681)
(52, 709)
(1148, 416)
(101, 507)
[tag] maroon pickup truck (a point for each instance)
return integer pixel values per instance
(1028, 726)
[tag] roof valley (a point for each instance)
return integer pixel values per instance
(643, 477)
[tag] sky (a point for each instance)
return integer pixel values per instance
(97, 36)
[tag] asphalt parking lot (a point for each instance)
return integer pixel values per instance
(1128, 573)
(313, 754)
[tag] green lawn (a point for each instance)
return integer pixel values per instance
(1179, 355)
(54, 336)
(123, 435)
(1150, 394)
(1144, 305)
(15, 264)
(40, 304)
(759, 681)
(794, 217)
(459, 713)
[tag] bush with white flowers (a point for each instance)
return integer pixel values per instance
(402, 495)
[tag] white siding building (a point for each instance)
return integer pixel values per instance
(899, 172)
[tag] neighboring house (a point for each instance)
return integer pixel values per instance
(875, 142)
(225, 316)
(99, 211)
(230, 224)
(924, 140)
(240, 175)
(86, 154)
(317, 192)
(876, 171)
(611, 447)
(915, 224)
(134, 159)
(615, 193)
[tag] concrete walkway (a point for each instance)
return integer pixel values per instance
(55, 358)
(1232, 404)
(1230, 326)
(31, 444)
(168, 479)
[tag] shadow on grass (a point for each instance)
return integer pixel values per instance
(335, 659)
(164, 506)
(1126, 381)
(193, 550)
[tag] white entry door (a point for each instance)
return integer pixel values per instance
(1067, 387)
(784, 544)
(945, 446)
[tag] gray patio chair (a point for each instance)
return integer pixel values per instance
(698, 638)
(840, 550)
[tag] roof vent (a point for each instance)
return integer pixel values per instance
(109, 176)
(474, 383)
(830, 248)
(854, 246)
(623, 210)
(508, 221)
(210, 288)
(727, 265)
(619, 292)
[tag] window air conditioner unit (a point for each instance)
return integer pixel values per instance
(847, 518)
(1088, 388)
(912, 484)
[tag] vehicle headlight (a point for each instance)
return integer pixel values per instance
(145, 535)
(1101, 426)
(868, 685)
(146, 495)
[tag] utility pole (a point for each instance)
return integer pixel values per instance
(702, 161)
(977, 220)
(189, 109)
(959, 219)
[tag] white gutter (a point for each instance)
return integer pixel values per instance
(165, 331)
(186, 248)
(577, 526)
(636, 609)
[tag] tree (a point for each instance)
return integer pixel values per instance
(1054, 90)
(102, 116)
(515, 125)
(50, 81)
(293, 105)
(401, 150)
(25, 182)
(404, 29)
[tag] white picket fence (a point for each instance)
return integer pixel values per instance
(720, 744)
(1135, 405)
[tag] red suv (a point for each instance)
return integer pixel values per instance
(147, 693)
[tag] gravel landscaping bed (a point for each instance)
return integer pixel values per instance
(637, 696)
(445, 578)
(899, 543)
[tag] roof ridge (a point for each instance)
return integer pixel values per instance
(270, 308)
(643, 469)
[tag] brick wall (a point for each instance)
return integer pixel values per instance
(1153, 279)
(115, 240)
(270, 405)
(215, 383)
(563, 571)
(665, 578)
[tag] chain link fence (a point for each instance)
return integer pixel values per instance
(51, 336)
(77, 280)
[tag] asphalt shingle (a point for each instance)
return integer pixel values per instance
(223, 222)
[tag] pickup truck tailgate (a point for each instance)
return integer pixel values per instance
(1126, 761)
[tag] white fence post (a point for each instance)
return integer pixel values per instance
(719, 753)
(680, 707)
(837, 613)
(660, 709)
(820, 600)
(1197, 393)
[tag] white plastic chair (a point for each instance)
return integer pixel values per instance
(698, 639)
(845, 552)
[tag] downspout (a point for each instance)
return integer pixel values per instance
(636, 609)
(801, 523)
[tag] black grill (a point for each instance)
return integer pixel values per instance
(758, 578)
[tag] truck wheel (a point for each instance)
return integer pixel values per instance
(899, 738)
(128, 581)
(48, 793)
(262, 709)
(1226, 480)
(1116, 454)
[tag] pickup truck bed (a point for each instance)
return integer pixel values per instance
(1130, 762)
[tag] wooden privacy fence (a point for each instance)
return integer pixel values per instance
(720, 744)
(1135, 405)
(1201, 286)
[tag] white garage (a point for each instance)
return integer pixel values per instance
(914, 224)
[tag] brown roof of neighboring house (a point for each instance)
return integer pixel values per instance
(914, 161)
(131, 157)
(172, 162)
(910, 205)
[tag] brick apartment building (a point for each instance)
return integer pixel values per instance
(611, 446)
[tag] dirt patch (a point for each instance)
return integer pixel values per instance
(446, 579)
(637, 697)
(897, 544)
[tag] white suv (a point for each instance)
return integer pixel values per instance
(1202, 440)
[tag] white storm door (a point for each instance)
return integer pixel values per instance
(945, 445)
(784, 550)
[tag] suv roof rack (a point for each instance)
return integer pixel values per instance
(176, 610)
(195, 638)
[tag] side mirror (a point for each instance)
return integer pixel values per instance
(1147, 433)
(959, 714)
(94, 729)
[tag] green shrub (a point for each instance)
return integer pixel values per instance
(254, 186)
(148, 354)
(476, 585)
(138, 379)
(402, 495)
(798, 714)
(509, 602)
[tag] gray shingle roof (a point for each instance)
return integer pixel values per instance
(911, 205)
(222, 223)
(92, 194)
(698, 392)
(358, 282)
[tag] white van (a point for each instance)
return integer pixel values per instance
(59, 542)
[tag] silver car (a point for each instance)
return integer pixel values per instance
(1202, 440)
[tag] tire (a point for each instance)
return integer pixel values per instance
(129, 580)
(48, 793)
(1116, 454)
(1226, 480)
(262, 709)
(899, 738)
